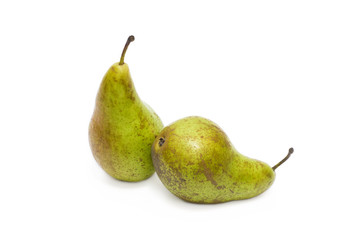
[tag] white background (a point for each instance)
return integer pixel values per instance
(272, 74)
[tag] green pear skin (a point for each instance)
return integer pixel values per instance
(196, 161)
(123, 128)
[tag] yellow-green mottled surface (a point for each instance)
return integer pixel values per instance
(123, 128)
(195, 160)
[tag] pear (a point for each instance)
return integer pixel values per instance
(123, 128)
(196, 161)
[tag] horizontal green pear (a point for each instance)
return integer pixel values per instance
(196, 161)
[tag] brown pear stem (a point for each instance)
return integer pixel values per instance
(129, 40)
(291, 150)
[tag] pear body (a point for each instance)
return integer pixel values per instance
(123, 128)
(195, 160)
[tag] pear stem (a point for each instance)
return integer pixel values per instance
(291, 150)
(129, 40)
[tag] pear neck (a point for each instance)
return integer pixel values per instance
(122, 82)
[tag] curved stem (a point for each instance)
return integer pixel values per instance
(291, 150)
(129, 40)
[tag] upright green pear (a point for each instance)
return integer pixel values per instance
(195, 160)
(123, 128)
